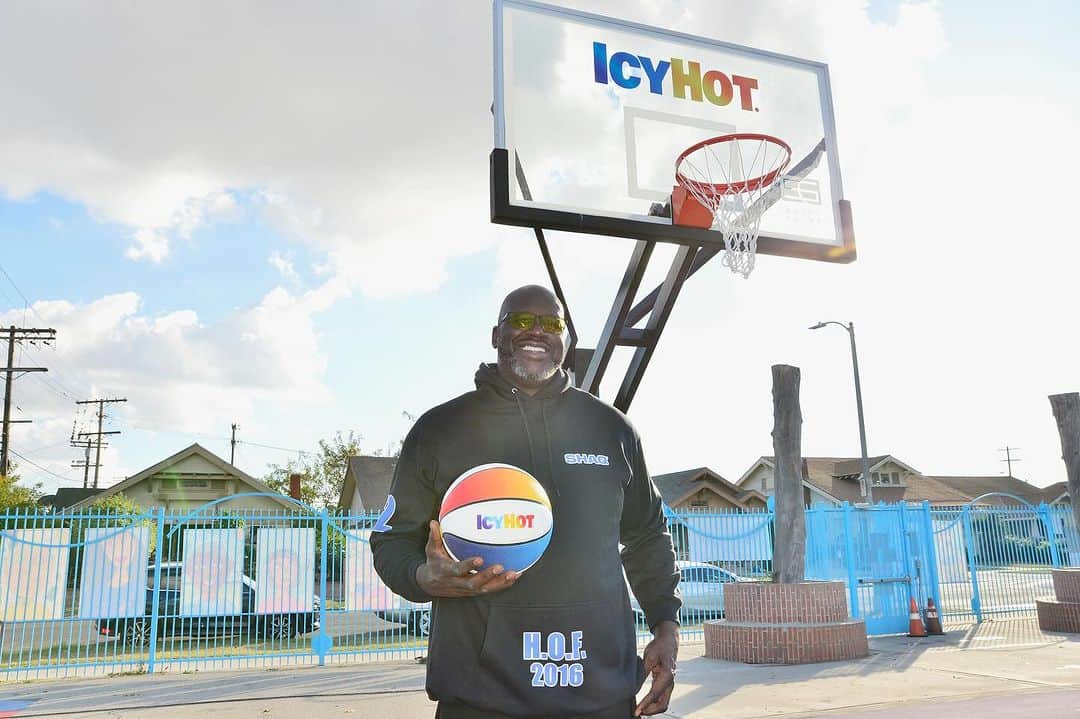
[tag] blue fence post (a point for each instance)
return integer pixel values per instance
(322, 641)
(910, 562)
(849, 553)
(973, 570)
(156, 592)
(1051, 535)
(931, 556)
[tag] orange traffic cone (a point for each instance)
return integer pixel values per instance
(915, 626)
(933, 622)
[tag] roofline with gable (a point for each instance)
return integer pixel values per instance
(188, 451)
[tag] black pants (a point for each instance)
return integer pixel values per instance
(622, 710)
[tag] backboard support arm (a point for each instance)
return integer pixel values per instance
(523, 184)
(619, 328)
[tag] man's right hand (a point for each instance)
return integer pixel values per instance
(441, 576)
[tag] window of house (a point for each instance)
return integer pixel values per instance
(194, 483)
(886, 478)
(766, 483)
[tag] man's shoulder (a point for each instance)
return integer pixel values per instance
(599, 408)
(449, 410)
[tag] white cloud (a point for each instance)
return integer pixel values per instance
(310, 104)
(178, 373)
(284, 266)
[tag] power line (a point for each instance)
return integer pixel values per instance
(142, 428)
(47, 446)
(25, 301)
(270, 446)
(159, 430)
(43, 469)
(58, 386)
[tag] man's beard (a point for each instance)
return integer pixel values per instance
(532, 377)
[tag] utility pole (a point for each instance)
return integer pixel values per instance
(85, 463)
(232, 453)
(17, 334)
(99, 433)
(1009, 459)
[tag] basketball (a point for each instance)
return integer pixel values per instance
(499, 513)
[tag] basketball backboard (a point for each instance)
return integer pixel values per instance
(591, 113)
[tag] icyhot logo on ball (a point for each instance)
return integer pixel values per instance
(497, 512)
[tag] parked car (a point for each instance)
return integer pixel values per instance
(136, 630)
(702, 588)
(415, 616)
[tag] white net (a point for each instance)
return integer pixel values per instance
(731, 176)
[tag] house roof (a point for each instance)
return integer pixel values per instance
(372, 477)
(838, 477)
(676, 487)
(67, 496)
(194, 449)
(975, 487)
(1056, 491)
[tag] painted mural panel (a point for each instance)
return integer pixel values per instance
(284, 570)
(114, 570)
(33, 573)
(211, 583)
(364, 590)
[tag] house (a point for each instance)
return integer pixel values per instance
(367, 483)
(703, 490)
(189, 479)
(1057, 494)
(67, 496)
(976, 487)
(831, 481)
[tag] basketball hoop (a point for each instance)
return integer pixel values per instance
(721, 184)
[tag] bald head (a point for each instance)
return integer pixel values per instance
(531, 296)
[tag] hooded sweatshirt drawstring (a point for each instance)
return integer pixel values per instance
(547, 443)
(528, 437)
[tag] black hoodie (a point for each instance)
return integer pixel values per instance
(494, 651)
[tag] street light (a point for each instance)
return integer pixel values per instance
(867, 485)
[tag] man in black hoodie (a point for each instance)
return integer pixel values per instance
(491, 629)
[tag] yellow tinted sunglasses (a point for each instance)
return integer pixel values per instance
(525, 321)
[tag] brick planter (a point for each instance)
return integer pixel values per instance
(769, 623)
(1062, 615)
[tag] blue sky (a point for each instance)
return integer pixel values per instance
(328, 263)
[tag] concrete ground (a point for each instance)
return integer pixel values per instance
(996, 669)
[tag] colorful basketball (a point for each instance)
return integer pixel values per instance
(499, 513)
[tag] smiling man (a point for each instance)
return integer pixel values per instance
(557, 640)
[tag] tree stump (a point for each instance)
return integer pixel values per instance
(789, 621)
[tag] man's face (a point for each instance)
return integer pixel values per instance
(529, 358)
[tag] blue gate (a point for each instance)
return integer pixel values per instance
(884, 553)
(995, 560)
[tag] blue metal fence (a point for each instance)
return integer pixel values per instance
(97, 592)
(995, 560)
(885, 554)
(101, 592)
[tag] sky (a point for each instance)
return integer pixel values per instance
(276, 215)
